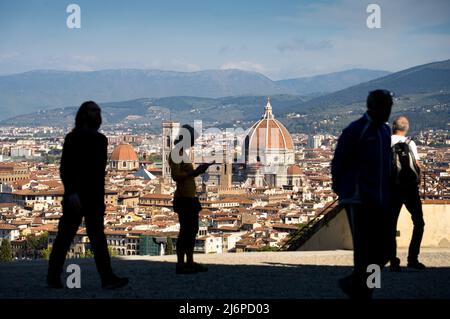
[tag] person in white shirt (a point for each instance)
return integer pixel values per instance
(406, 192)
(396, 138)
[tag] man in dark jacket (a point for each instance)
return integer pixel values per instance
(361, 174)
(82, 171)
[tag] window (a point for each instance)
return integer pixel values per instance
(124, 164)
(168, 141)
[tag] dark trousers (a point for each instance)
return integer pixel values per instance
(369, 225)
(67, 229)
(187, 210)
(408, 196)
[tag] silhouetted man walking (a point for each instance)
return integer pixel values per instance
(82, 171)
(406, 192)
(361, 173)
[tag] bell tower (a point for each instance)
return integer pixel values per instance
(170, 131)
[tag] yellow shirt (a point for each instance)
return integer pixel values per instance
(180, 174)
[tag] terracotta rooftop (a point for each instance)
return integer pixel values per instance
(124, 152)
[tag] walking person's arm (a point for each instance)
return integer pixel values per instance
(342, 159)
(69, 175)
(104, 151)
(413, 146)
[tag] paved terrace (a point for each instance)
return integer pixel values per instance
(242, 275)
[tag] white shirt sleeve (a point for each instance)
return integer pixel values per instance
(414, 150)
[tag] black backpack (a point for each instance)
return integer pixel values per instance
(406, 170)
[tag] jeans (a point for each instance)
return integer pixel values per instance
(67, 229)
(369, 224)
(408, 196)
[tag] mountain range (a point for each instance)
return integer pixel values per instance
(330, 82)
(45, 89)
(421, 92)
(427, 78)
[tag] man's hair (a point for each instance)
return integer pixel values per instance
(379, 99)
(400, 125)
(81, 118)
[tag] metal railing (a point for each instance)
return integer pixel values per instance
(442, 191)
(299, 237)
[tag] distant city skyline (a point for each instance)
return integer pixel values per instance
(295, 39)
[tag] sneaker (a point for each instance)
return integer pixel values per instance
(416, 265)
(394, 265)
(54, 282)
(114, 282)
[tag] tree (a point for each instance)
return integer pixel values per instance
(46, 252)
(88, 254)
(35, 244)
(169, 247)
(5, 251)
(112, 252)
(154, 157)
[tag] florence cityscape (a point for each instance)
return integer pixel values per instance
(271, 93)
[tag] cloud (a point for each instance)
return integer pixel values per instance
(350, 15)
(67, 62)
(84, 58)
(191, 67)
(172, 65)
(412, 32)
(178, 65)
(337, 14)
(5, 56)
(296, 45)
(244, 65)
(231, 49)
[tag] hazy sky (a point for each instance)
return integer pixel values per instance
(281, 39)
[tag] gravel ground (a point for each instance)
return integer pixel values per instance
(278, 275)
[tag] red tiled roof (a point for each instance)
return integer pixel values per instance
(5, 226)
(157, 196)
(124, 152)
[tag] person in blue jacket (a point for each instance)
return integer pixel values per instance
(361, 176)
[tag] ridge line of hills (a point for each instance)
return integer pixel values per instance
(421, 92)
